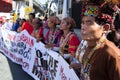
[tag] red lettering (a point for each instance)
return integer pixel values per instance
(5, 51)
(25, 65)
(11, 37)
(63, 77)
(19, 59)
(61, 69)
(26, 39)
(13, 56)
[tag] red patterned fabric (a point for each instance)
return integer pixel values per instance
(41, 31)
(57, 36)
(71, 44)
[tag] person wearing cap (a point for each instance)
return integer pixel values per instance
(98, 58)
(38, 30)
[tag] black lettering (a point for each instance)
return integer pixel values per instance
(20, 51)
(52, 66)
(13, 44)
(25, 54)
(38, 53)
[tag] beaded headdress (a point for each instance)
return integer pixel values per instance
(90, 9)
(98, 10)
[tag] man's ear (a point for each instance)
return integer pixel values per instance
(106, 27)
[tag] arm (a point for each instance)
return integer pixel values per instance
(73, 45)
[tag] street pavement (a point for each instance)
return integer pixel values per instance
(11, 71)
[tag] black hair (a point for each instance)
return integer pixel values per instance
(117, 21)
(105, 9)
(24, 19)
(33, 14)
(98, 2)
(39, 22)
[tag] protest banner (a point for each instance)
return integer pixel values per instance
(39, 62)
(49, 65)
(17, 47)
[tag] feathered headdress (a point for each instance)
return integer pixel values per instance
(98, 9)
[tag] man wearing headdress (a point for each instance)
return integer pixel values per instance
(99, 58)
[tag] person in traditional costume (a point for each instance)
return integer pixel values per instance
(98, 58)
(69, 40)
(53, 35)
(38, 30)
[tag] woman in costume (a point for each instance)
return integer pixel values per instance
(38, 30)
(53, 35)
(69, 40)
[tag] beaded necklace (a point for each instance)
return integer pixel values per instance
(63, 41)
(85, 62)
(81, 50)
(85, 66)
(52, 36)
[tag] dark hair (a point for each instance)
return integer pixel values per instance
(112, 35)
(106, 9)
(39, 22)
(23, 19)
(32, 14)
(98, 2)
(70, 21)
(117, 21)
(105, 15)
(103, 20)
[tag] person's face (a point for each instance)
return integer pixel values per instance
(21, 22)
(90, 30)
(31, 18)
(50, 23)
(36, 23)
(64, 25)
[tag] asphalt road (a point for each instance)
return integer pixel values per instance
(11, 71)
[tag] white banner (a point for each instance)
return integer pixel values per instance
(36, 60)
(61, 70)
(17, 47)
(49, 65)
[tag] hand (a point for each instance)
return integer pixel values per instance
(75, 66)
(72, 66)
(50, 46)
(19, 29)
(62, 54)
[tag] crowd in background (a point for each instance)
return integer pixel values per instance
(96, 56)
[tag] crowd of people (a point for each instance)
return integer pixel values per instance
(97, 55)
